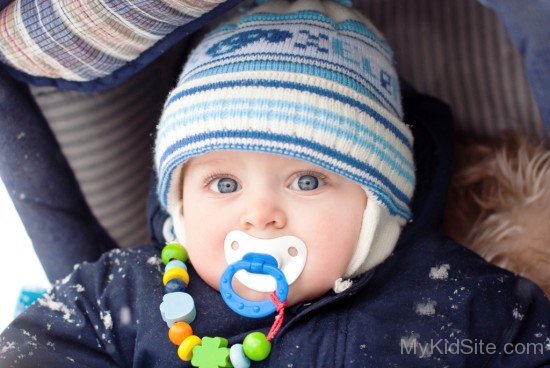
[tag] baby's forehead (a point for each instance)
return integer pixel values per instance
(243, 159)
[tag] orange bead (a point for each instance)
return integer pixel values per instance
(179, 332)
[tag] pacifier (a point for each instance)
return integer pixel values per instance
(266, 265)
(289, 252)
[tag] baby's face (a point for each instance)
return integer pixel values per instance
(269, 196)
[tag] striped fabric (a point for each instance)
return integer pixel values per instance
(107, 139)
(297, 83)
(460, 52)
(84, 40)
(455, 50)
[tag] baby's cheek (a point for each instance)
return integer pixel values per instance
(206, 255)
(209, 268)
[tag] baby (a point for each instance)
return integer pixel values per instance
(283, 154)
(287, 130)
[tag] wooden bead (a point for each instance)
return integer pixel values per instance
(179, 332)
(212, 353)
(237, 357)
(173, 251)
(185, 350)
(175, 285)
(173, 273)
(176, 307)
(256, 346)
(175, 263)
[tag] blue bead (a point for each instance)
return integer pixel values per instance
(237, 357)
(175, 285)
(177, 307)
(175, 263)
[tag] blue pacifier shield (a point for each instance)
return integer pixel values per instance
(255, 263)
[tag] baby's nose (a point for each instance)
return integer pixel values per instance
(263, 212)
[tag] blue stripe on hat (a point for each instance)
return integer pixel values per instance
(298, 86)
(358, 27)
(322, 120)
(380, 193)
(256, 55)
(377, 191)
(292, 140)
(294, 67)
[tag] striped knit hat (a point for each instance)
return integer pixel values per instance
(307, 79)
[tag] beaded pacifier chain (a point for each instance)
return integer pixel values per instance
(178, 311)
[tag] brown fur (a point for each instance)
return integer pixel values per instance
(499, 203)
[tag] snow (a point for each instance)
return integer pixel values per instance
(154, 261)
(412, 343)
(440, 272)
(517, 315)
(9, 346)
(27, 333)
(107, 319)
(79, 288)
(426, 309)
(65, 279)
(48, 302)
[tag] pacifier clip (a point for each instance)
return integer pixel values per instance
(178, 311)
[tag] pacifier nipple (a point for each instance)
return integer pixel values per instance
(289, 251)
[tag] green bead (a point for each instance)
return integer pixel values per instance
(212, 353)
(256, 347)
(173, 251)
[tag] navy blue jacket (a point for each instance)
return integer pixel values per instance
(433, 303)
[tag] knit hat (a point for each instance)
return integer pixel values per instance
(308, 79)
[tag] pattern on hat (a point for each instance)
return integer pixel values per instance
(300, 84)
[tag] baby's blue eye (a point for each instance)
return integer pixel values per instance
(306, 182)
(224, 185)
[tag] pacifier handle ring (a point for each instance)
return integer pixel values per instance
(254, 263)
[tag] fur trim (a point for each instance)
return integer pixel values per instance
(499, 203)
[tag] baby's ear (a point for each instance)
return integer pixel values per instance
(181, 174)
(174, 229)
(178, 222)
(179, 230)
(168, 230)
(175, 205)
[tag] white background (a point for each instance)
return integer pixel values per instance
(19, 265)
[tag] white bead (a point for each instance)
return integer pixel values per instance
(237, 357)
(175, 263)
